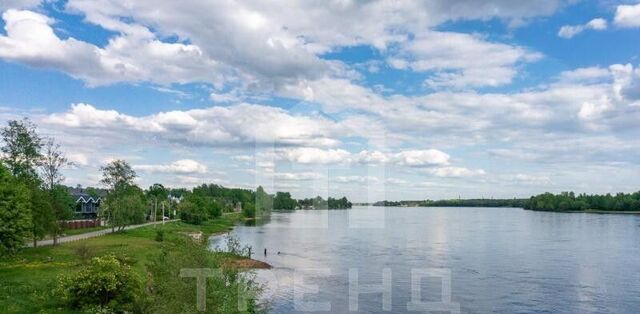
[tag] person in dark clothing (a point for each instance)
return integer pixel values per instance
(265, 251)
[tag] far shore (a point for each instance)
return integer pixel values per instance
(591, 211)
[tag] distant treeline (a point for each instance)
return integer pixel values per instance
(457, 203)
(319, 203)
(258, 202)
(568, 201)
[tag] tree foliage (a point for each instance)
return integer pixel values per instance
(124, 206)
(43, 221)
(192, 213)
(62, 205)
(157, 194)
(249, 210)
(15, 213)
(116, 173)
(283, 200)
(568, 201)
(480, 202)
(320, 203)
(21, 148)
(197, 207)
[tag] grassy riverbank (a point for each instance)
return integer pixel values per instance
(28, 280)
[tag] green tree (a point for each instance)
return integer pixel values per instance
(192, 213)
(116, 173)
(206, 203)
(15, 213)
(52, 162)
(21, 149)
(125, 202)
(62, 204)
(124, 206)
(157, 193)
(283, 200)
(42, 219)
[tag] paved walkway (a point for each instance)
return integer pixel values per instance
(92, 234)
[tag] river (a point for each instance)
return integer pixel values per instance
(471, 260)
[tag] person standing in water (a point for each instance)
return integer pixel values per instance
(265, 252)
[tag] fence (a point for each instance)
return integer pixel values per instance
(81, 223)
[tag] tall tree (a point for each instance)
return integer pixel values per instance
(124, 206)
(117, 172)
(125, 201)
(15, 213)
(52, 162)
(21, 148)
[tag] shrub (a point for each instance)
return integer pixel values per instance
(249, 210)
(106, 282)
(192, 213)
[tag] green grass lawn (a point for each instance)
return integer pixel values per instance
(27, 281)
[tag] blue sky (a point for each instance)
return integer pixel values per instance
(372, 100)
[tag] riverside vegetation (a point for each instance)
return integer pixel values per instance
(133, 271)
(129, 271)
(569, 201)
(565, 201)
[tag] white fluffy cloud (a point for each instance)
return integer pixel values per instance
(241, 124)
(585, 75)
(131, 57)
(454, 59)
(183, 166)
(312, 155)
(256, 44)
(568, 31)
(627, 16)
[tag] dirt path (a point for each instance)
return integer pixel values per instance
(88, 235)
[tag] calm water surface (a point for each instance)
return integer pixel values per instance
(501, 260)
